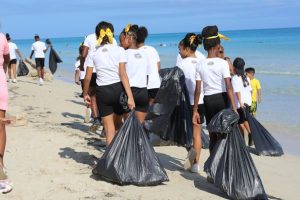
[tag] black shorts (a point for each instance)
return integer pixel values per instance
(214, 104)
(40, 62)
(93, 80)
(108, 99)
(152, 93)
(13, 61)
(141, 100)
(242, 114)
(201, 111)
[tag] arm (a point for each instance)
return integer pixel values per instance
(48, 46)
(238, 95)
(196, 117)
(158, 66)
(31, 54)
(19, 54)
(77, 74)
(230, 93)
(230, 64)
(125, 82)
(86, 84)
(84, 54)
(259, 95)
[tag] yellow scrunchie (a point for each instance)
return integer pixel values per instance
(127, 28)
(218, 36)
(104, 33)
(192, 38)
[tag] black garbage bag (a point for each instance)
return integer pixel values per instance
(204, 140)
(230, 165)
(130, 159)
(22, 69)
(265, 143)
(170, 115)
(53, 58)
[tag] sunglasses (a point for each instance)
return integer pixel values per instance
(221, 51)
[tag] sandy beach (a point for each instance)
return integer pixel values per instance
(52, 156)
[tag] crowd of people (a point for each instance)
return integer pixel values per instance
(108, 71)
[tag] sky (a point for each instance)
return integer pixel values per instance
(76, 18)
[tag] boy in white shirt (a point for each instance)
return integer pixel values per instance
(39, 49)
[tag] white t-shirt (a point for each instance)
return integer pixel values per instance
(106, 60)
(90, 42)
(212, 72)
(12, 50)
(198, 55)
(38, 47)
(137, 67)
(245, 92)
(188, 66)
(154, 78)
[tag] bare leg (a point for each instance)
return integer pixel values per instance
(94, 107)
(197, 141)
(42, 73)
(247, 127)
(39, 72)
(2, 138)
(109, 127)
(9, 71)
(141, 116)
(118, 121)
(14, 72)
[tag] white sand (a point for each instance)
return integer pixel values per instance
(53, 155)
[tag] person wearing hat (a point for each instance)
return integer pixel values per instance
(243, 99)
(39, 49)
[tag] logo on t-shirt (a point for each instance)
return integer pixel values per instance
(193, 61)
(210, 63)
(104, 50)
(138, 56)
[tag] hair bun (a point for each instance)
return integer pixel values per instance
(209, 31)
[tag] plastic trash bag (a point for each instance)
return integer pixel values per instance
(53, 60)
(265, 143)
(204, 140)
(130, 159)
(230, 165)
(22, 69)
(170, 116)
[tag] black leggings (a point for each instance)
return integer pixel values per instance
(214, 104)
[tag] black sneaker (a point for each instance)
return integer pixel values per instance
(250, 140)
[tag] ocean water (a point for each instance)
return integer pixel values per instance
(275, 54)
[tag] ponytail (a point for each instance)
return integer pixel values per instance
(192, 41)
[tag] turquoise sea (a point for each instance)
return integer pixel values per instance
(275, 54)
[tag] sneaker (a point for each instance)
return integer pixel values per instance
(41, 81)
(95, 126)
(195, 168)
(190, 159)
(14, 81)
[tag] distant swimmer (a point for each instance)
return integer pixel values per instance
(162, 45)
(13, 49)
(39, 49)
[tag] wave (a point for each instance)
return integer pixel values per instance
(279, 73)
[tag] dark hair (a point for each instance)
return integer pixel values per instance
(210, 31)
(142, 34)
(133, 31)
(239, 64)
(188, 42)
(250, 70)
(103, 25)
(7, 36)
(36, 36)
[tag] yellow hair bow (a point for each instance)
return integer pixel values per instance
(218, 36)
(127, 28)
(104, 33)
(192, 38)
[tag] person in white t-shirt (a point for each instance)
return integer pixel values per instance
(79, 75)
(221, 54)
(109, 61)
(188, 64)
(13, 49)
(153, 78)
(137, 68)
(243, 95)
(214, 74)
(89, 46)
(39, 49)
